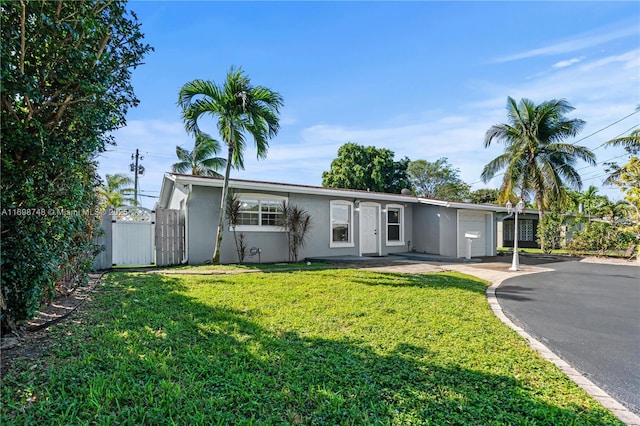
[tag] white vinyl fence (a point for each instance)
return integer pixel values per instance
(135, 236)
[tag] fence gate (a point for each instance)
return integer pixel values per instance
(169, 237)
(132, 236)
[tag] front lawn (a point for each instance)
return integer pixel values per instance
(309, 347)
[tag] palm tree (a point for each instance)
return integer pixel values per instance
(239, 109)
(631, 143)
(588, 199)
(536, 160)
(200, 161)
(117, 192)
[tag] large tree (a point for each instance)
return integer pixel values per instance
(66, 86)
(537, 163)
(200, 161)
(437, 179)
(239, 110)
(367, 168)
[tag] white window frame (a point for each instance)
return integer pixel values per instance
(400, 209)
(339, 244)
(260, 198)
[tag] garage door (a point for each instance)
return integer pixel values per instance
(478, 222)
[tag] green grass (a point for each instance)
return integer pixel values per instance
(323, 347)
(251, 266)
(610, 253)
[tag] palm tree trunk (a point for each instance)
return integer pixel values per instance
(223, 203)
(540, 215)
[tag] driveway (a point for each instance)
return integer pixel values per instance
(589, 315)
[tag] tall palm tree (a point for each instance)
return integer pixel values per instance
(200, 161)
(117, 191)
(239, 109)
(536, 161)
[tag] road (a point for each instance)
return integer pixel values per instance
(589, 315)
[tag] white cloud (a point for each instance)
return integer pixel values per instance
(568, 62)
(580, 42)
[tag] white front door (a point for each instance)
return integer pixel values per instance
(369, 229)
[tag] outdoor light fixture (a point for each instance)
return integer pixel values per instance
(515, 263)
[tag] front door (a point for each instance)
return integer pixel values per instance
(369, 229)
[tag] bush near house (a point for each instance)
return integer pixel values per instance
(66, 83)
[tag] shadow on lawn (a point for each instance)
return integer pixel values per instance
(165, 357)
(435, 280)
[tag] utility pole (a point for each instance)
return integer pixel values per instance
(137, 169)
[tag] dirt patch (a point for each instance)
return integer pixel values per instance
(34, 337)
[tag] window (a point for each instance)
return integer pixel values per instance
(395, 225)
(341, 224)
(259, 212)
(525, 230)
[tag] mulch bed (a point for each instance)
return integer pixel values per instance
(33, 338)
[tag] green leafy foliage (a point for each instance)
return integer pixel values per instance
(296, 221)
(345, 347)
(200, 161)
(233, 212)
(537, 163)
(116, 191)
(66, 83)
(437, 179)
(603, 238)
(485, 196)
(550, 231)
(367, 168)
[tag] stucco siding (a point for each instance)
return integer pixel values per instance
(179, 194)
(426, 229)
(203, 210)
(448, 231)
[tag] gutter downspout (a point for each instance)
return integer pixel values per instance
(185, 256)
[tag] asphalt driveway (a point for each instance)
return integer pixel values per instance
(589, 315)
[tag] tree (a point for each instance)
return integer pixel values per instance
(367, 168)
(234, 207)
(66, 86)
(239, 108)
(117, 191)
(296, 221)
(536, 161)
(437, 180)
(630, 143)
(484, 196)
(200, 161)
(589, 200)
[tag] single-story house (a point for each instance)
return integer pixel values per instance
(344, 222)
(527, 230)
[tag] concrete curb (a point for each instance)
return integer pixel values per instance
(619, 410)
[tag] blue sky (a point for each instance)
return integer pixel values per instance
(424, 79)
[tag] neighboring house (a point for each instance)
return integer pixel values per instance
(527, 230)
(344, 222)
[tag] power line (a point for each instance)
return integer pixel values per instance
(616, 137)
(606, 127)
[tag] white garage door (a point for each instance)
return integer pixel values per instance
(479, 222)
